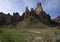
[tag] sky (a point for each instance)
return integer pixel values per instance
(51, 7)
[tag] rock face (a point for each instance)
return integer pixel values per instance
(57, 19)
(7, 19)
(26, 13)
(37, 13)
(38, 8)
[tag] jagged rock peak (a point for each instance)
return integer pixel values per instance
(26, 9)
(38, 8)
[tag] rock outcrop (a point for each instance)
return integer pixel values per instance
(39, 8)
(26, 13)
(7, 19)
(57, 19)
(37, 13)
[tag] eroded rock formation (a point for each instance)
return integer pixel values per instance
(37, 13)
(39, 8)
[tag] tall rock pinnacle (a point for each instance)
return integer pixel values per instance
(26, 12)
(38, 8)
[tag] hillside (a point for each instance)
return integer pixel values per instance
(34, 24)
(30, 30)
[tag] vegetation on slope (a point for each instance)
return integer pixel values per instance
(13, 35)
(30, 32)
(29, 35)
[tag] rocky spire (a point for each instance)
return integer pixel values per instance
(26, 13)
(32, 11)
(38, 8)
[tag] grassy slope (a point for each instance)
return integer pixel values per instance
(26, 24)
(39, 25)
(13, 35)
(26, 35)
(29, 35)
